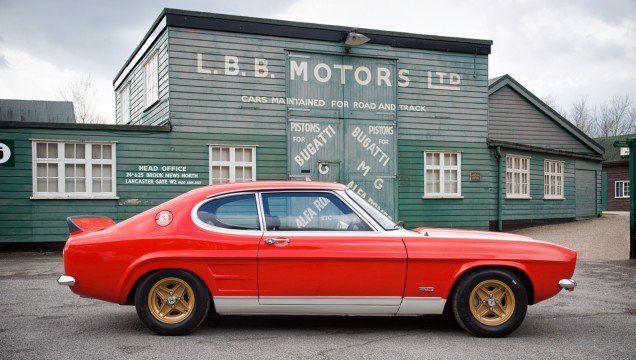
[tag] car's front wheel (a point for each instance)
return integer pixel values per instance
(490, 302)
(172, 302)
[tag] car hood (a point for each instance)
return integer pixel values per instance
(470, 234)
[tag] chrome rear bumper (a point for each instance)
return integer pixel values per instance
(66, 280)
(567, 284)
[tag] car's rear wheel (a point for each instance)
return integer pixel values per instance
(490, 302)
(172, 302)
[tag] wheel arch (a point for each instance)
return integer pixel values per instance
(517, 270)
(140, 269)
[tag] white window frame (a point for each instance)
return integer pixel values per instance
(124, 104)
(61, 161)
(442, 169)
(513, 173)
(624, 192)
(151, 80)
(553, 175)
(231, 163)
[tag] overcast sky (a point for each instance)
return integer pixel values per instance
(566, 50)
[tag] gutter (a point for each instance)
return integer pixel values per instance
(499, 190)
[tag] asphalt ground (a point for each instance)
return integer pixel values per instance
(42, 320)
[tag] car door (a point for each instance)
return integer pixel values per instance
(316, 250)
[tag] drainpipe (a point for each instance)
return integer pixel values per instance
(499, 190)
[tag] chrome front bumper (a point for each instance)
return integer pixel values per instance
(567, 284)
(66, 280)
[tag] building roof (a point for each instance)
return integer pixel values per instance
(506, 80)
(297, 30)
(612, 153)
(37, 111)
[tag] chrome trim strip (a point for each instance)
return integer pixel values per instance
(66, 280)
(422, 306)
(329, 305)
(249, 305)
(331, 300)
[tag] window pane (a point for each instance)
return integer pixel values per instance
(41, 171)
(451, 159)
(97, 185)
(247, 155)
(312, 212)
(233, 212)
(107, 171)
(41, 185)
(107, 151)
(52, 151)
(40, 150)
(97, 151)
(238, 155)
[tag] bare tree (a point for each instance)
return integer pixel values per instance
(551, 102)
(614, 119)
(80, 91)
(583, 117)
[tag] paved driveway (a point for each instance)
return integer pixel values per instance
(602, 238)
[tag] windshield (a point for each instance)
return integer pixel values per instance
(382, 219)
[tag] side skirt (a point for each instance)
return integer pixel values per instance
(364, 306)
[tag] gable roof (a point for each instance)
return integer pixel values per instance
(498, 83)
(612, 153)
(37, 111)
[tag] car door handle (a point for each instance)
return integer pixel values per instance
(280, 242)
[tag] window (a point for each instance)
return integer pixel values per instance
(622, 189)
(310, 211)
(124, 103)
(151, 79)
(73, 169)
(442, 174)
(517, 177)
(232, 164)
(553, 179)
(232, 212)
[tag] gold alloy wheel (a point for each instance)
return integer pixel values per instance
(171, 300)
(492, 302)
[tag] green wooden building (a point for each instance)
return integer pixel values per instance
(405, 120)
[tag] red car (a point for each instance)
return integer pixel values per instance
(306, 248)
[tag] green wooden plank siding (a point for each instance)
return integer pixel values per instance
(140, 114)
(43, 220)
(476, 207)
(513, 117)
(537, 207)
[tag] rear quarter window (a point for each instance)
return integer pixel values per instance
(238, 212)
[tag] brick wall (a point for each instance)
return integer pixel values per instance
(616, 173)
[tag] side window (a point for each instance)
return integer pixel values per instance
(310, 211)
(233, 212)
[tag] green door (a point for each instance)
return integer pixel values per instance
(341, 114)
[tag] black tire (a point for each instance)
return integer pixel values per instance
(172, 302)
(490, 302)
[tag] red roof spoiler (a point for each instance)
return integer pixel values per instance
(83, 224)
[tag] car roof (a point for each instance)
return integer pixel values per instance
(269, 185)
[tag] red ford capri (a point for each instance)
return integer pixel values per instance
(305, 248)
